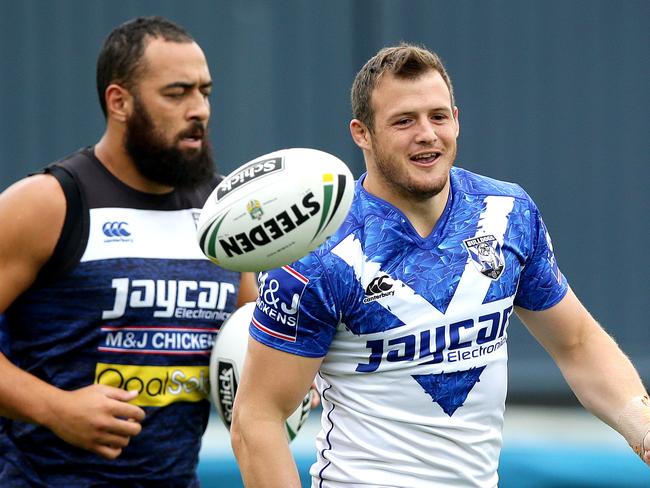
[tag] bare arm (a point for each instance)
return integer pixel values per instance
(272, 385)
(598, 372)
(32, 212)
(248, 293)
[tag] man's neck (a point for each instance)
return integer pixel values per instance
(422, 214)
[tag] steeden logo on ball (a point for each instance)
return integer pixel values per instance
(275, 209)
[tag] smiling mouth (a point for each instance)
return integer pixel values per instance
(426, 158)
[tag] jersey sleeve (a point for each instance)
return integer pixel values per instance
(296, 310)
(541, 284)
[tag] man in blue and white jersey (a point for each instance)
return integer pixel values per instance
(404, 311)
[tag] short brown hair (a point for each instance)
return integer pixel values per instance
(403, 61)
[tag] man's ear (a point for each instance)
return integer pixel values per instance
(119, 102)
(360, 134)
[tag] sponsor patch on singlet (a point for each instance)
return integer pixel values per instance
(158, 386)
(158, 339)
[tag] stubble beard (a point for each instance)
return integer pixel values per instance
(163, 163)
(397, 177)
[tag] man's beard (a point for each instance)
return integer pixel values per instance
(162, 163)
(398, 179)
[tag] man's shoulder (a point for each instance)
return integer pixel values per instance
(71, 161)
(32, 211)
(477, 184)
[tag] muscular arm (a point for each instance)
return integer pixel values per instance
(598, 372)
(32, 212)
(272, 385)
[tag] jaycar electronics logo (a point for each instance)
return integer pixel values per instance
(250, 172)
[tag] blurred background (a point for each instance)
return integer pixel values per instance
(553, 94)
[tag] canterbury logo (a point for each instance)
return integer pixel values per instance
(115, 229)
(379, 287)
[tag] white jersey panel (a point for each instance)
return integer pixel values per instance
(134, 233)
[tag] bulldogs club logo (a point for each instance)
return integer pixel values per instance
(486, 255)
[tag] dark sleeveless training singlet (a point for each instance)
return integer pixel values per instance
(127, 300)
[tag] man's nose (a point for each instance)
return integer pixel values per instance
(199, 108)
(426, 132)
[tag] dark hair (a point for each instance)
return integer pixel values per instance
(119, 59)
(404, 61)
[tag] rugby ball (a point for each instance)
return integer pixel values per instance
(226, 362)
(275, 209)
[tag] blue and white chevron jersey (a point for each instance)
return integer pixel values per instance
(413, 332)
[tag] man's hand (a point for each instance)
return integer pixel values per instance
(97, 418)
(646, 449)
(634, 424)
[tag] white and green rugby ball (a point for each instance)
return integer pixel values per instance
(275, 209)
(226, 363)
